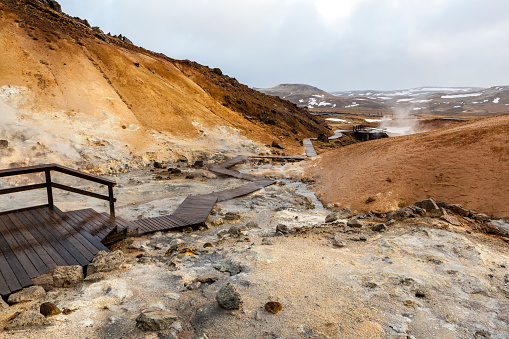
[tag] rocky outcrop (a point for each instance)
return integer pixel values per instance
(26, 294)
(106, 261)
(155, 320)
(60, 276)
(52, 4)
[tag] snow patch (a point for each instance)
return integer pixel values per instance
(453, 96)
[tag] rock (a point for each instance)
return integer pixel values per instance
(406, 212)
(26, 294)
(331, 217)
(104, 262)
(458, 209)
(277, 145)
(187, 230)
(236, 230)
(451, 220)
(4, 144)
(217, 71)
(282, 229)
(3, 306)
(67, 276)
(53, 4)
(194, 286)
(322, 137)
(232, 216)
(378, 228)
(49, 309)
(158, 165)
(179, 246)
(427, 204)
(338, 241)
(214, 221)
(355, 223)
(267, 241)
(344, 213)
(198, 164)
(481, 217)
(27, 319)
(155, 320)
(229, 298)
(103, 37)
(499, 227)
(437, 213)
(252, 225)
(190, 176)
(273, 307)
(174, 171)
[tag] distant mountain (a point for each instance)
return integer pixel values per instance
(464, 101)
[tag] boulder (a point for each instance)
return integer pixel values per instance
(338, 241)
(458, 209)
(49, 309)
(198, 164)
(232, 216)
(427, 204)
(157, 164)
(236, 230)
(344, 213)
(331, 217)
(26, 294)
(355, 223)
(67, 276)
(106, 261)
(28, 318)
(451, 220)
(277, 145)
(282, 229)
(229, 297)
(4, 144)
(155, 320)
(437, 213)
(378, 228)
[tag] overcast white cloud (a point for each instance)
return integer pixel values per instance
(332, 44)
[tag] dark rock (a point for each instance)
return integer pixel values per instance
(427, 204)
(236, 230)
(331, 217)
(52, 4)
(322, 137)
(499, 227)
(158, 165)
(406, 212)
(232, 216)
(229, 297)
(282, 228)
(370, 200)
(217, 71)
(451, 220)
(481, 217)
(294, 131)
(251, 225)
(277, 145)
(458, 209)
(49, 309)
(273, 307)
(437, 213)
(4, 144)
(174, 171)
(420, 294)
(354, 223)
(106, 261)
(198, 164)
(378, 227)
(155, 320)
(102, 37)
(26, 294)
(187, 230)
(286, 134)
(267, 241)
(190, 176)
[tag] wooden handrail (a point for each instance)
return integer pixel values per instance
(46, 169)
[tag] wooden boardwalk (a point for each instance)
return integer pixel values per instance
(35, 240)
(309, 148)
(195, 210)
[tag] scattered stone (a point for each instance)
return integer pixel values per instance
(252, 225)
(26, 294)
(410, 303)
(179, 246)
(49, 309)
(157, 164)
(140, 244)
(481, 217)
(4, 144)
(187, 230)
(404, 213)
(277, 145)
(370, 200)
(273, 307)
(60, 276)
(95, 277)
(190, 176)
(451, 220)
(267, 241)
(420, 294)
(437, 213)
(173, 296)
(237, 230)
(354, 223)
(232, 216)
(3, 306)
(427, 204)
(482, 334)
(229, 297)
(155, 320)
(103, 37)
(198, 164)
(106, 261)
(174, 171)
(458, 209)
(194, 286)
(344, 213)
(338, 241)
(331, 217)
(208, 244)
(378, 228)
(282, 229)
(28, 318)
(214, 221)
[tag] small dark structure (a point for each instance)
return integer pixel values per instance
(365, 133)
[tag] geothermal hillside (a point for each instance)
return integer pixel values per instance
(465, 164)
(71, 94)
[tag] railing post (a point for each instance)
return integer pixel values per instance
(112, 200)
(49, 189)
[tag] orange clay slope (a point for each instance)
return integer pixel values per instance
(66, 67)
(466, 164)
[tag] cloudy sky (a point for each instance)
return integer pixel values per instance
(331, 44)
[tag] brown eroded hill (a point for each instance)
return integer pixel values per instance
(467, 164)
(65, 66)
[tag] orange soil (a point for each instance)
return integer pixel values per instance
(467, 163)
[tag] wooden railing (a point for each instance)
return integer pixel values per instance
(49, 184)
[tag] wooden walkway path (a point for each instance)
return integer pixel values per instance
(35, 240)
(195, 210)
(309, 148)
